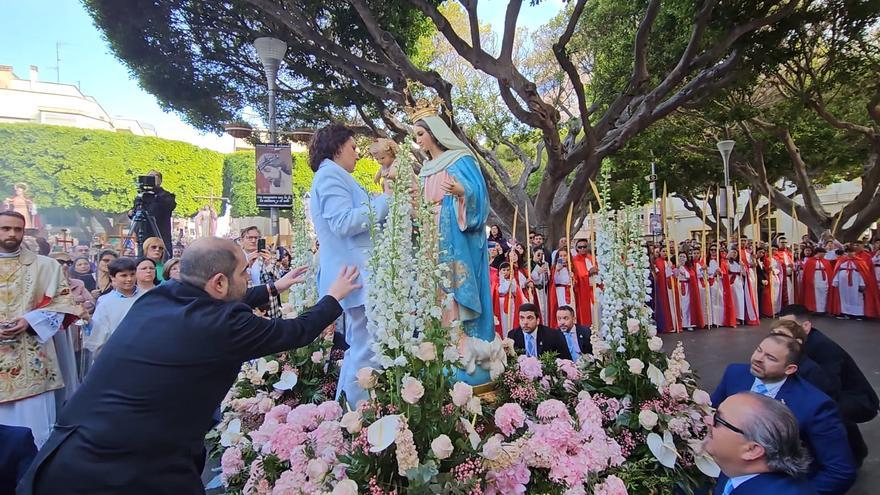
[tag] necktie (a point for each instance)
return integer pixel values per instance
(728, 488)
(762, 389)
(531, 350)
(572, 346)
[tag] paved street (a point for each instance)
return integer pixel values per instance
(710, 351)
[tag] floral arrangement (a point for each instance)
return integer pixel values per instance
(301, 296)
(626, 420)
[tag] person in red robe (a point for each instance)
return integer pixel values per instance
(689, 294)
(663, 315)
(559, 290)
(584, 267)
(816, 299)
(723, 279)
(507, 297)
(868, 260)
(786, 264)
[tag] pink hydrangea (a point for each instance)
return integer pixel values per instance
(262, 435)
(278, 414)
(552, 409)
(509, 417)
(611, 486)
(304, 417)
(330, 410)
(512, 480)
(588, 413)
(289, 483)
(328, 440)
(568, 368)
(286, 438)
(231, 463)
(568, 454)
(530, 367)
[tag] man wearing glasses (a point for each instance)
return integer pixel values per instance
(754, 440)
(585, 269)
(772, 372)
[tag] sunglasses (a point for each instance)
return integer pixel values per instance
(718, 420)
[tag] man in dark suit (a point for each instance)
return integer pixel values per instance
(17, 451)
(754, 440)
(138, 422)
(808, 369)
(772, 372)
(534, 339)
(856, 398)
(577, 337)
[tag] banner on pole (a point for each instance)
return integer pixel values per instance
(656, 224)
(274, 176)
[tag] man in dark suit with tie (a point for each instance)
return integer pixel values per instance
(577, 337)
(754, 440)
(17, 451)
(808, 369)
(138, 422)
(856, 398)
(534, 339)
(772, 372)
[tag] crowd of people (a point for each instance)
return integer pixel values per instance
(696, 287)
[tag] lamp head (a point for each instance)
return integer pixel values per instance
(725, 147)
(271, 52)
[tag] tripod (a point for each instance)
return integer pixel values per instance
(143, 226)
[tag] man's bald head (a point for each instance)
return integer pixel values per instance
(207, 257)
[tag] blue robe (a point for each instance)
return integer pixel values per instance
(466, 254)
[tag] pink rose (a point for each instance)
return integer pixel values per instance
(442, 447)
(632, 325)
(345, 487)
(611, 486)
(461, 393)
(317, 357)
(413, 390)
(509, 417)
(678, 391)
(427, 351)
(316, 469)
(702, 398)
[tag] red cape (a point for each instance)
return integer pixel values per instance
(781, 257)
(693, 286)
(749, 290)
(552, 302)
(808, 290)
(767, 307)
(872, 298)
(729, 318)
(497, 301)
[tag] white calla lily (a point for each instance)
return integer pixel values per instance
(663, 448)
(288, 380)
(704, 462)
(381, 433)
(232, 435)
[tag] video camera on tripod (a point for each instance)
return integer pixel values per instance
(143, 225)
(146, 189)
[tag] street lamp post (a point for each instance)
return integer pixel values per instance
(271, 52)
(725, 148)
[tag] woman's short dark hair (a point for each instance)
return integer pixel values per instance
(327, 142)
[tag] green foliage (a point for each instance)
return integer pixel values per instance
(239, 184)
(66, 167)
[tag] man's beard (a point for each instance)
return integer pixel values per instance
(11, 245)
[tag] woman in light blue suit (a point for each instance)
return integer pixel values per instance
(340, 210)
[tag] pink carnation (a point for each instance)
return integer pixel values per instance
(330, 410)
(611, 486)
(530, 367)
(552, 409)
(509, 417)
(506, 481)
(568, 368)
(231, 463)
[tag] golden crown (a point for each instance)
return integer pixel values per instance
(423, 107)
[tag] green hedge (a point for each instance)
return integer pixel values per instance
(240, 187)
(67, 167)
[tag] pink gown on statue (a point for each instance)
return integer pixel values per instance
(434, 194)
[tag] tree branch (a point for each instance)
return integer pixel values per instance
(513, 7)
(560, 50)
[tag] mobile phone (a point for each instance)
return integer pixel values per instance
(261, 244)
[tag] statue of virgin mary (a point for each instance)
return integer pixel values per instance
(453, 183)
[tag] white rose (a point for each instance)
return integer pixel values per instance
(451, 354)
(607, 379)
(427, 351)
(366, 378)
(702, 398)
(461, 393)
(652, 331)
(493, 447)
(632, 325)
(351, 421)
(316, 469)
(648, 419)
(345, 487)
(635, 366)
(678, 391)
(317, 357)
(473, 406)
(442, 447)
(655, 343)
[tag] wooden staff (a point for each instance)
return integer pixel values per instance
(703, 257)
(596, 193)
(770, 258)
(836, 223)
(570, 260)
(528, 257)
(594, 308)
(513, 270)
(676, 284)
(754, 221)
(717, 223)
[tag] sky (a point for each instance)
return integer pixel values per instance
(31, 30)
